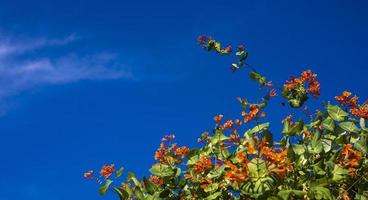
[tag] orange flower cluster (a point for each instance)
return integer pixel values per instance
(361, 111)
(182, 151)
(107, 170)
(352, 102)
(254, 111)
(306, 77)
(228, 124)
(278, 160)
(202, 165)
(160, 153)
(235, 173)
(346, 100)
(170, 154)
(156, 180)
(350, 158)
(250, 148)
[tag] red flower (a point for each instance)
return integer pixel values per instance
(107, 170)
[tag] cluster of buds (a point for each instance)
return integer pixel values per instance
(170, 153)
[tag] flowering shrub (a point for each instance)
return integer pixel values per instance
(324, 157)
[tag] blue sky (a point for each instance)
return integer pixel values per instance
(84, 83)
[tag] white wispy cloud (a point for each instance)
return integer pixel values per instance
(20, 72)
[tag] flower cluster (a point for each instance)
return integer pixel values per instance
(350, 158)
(352, 102)
(169, 153)
(253, 113)
(322, 157)
(296, 89)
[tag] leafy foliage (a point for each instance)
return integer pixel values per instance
(324, 157)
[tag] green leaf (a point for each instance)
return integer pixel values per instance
(165, 193)
(350, 127)
(257, 169)
(259, 128)
(150, 187)
(102, 190)
(119, 172)
(327, 144)
(131, 177)
(293, 130)
(286, 194)
(213, 196)
(123, 195)
(254, 76)
(218, 136)
(139, 194)
(329, 124)
(161, 170)
(212, 187)
(298, 149)
(269, 137)
(336, 113)
(362, 124)
(321, 193)
(339, 173)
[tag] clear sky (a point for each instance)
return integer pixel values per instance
(84, 83)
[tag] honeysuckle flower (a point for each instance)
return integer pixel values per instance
(346, 100)
(350, 158)
(107, 170)
(228, 124)
(182, 151)
(361, 111)
(203, 164)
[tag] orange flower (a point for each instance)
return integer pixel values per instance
(161, 153)
(250, 148)
(235, 173)
(314, 88)
(182, 151)
(228, 124)
(346, 100)
(88, 175)
(279, 163)
(203, 164)
(361, 111)
(306, 77)
(252, 114)
(156, 180)
(107, 170)
(218, 118)
(350, 158)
